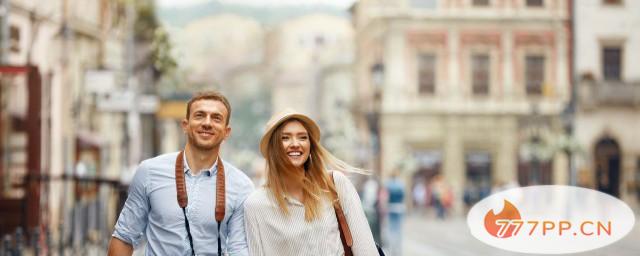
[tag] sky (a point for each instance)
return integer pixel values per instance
(186, 3)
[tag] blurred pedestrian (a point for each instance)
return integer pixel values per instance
(442, 196)
(370, 204)
(419, 197)
(213, 217)
(396, 209)
(472, 194)
(293, 214)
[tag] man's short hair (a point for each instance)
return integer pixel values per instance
(210, 95)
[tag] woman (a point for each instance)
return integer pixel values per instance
(293, 214)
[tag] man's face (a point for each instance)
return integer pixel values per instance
(206, 127)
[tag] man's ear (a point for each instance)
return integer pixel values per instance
(228, 133)
(185, 125)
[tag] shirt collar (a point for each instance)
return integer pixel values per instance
(209, 172)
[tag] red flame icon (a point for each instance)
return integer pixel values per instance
(502, 229)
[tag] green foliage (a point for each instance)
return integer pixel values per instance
(163, 61)
(149, 31)
(146, 20)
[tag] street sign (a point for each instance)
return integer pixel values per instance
(99, 81)
(123, 101)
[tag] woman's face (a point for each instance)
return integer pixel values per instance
(296, 144)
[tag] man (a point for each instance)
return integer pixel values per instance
(152, 208)
(395, 207)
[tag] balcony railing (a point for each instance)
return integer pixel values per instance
(609, 93)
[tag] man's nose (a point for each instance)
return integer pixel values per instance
(207, 121)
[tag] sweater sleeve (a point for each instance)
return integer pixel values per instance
(363, 243)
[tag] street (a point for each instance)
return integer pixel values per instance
(451, 237)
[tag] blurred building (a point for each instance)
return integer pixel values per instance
(64, 129)
(224, 52)
(203, 47)
(289, 58)
(472, 90)
(608, 113)
(310, 70)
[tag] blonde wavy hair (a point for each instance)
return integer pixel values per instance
(316, 184)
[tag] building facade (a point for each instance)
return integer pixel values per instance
(202, 47)
(300, 61)
(79, 53)
(470, 90)
(608, 112)
(310, 71)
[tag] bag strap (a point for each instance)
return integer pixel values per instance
(343, 226)
(181, 189)
(220, 200)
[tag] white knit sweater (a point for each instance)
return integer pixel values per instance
(271, 233)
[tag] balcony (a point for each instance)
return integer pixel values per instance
(594, 94)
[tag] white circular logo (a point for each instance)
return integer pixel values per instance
(550, 219)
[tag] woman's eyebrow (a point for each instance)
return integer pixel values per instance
(289, 133)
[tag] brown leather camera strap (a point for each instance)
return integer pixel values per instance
(343, 226)
(181, 186)
(181, 189)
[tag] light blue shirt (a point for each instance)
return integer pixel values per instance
(152, 210)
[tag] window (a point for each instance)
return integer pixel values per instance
(478, 165)
(426, 4)
(534, 74)
(535, 3)
(480, 67)
(426, 74)
(612, 2)
(480, 2)
(13, 140)
(611, 63)
(638, 177)
(319, 40)
(14, 39)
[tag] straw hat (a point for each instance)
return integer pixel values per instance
(279, 118)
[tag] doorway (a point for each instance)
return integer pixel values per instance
(607, 162)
